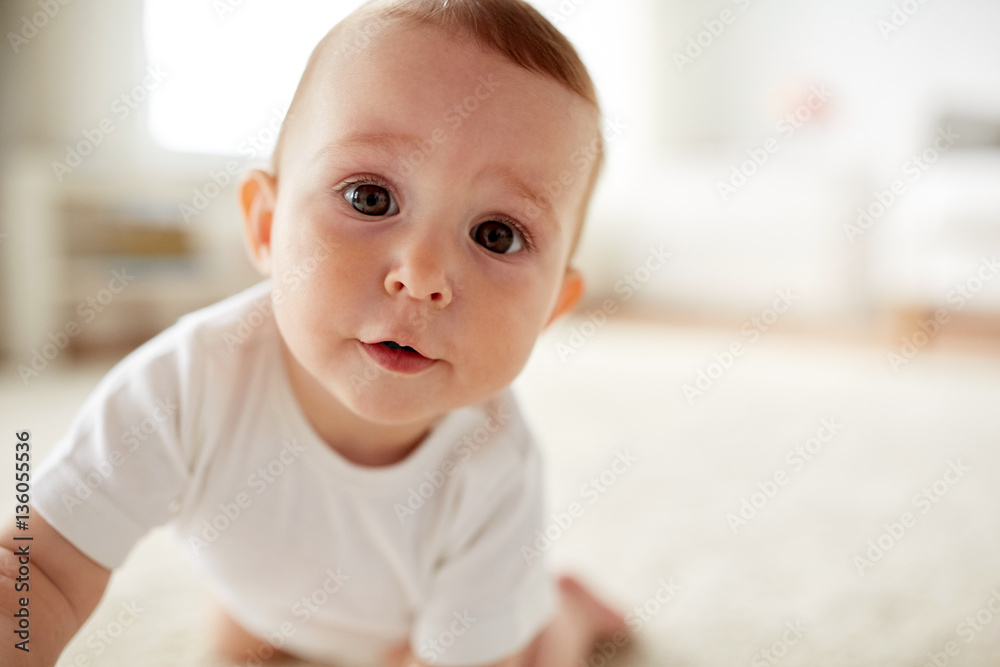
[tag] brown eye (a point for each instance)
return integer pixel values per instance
(496, 237)
(370, 199)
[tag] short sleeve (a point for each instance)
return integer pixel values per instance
(492, 596)
(118, 471)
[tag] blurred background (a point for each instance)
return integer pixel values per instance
(824, 177)
(759, 147)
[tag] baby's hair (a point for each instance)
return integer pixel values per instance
(512, 29)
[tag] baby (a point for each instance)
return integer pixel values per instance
(337, 447)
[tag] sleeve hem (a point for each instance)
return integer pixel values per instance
(84, 534)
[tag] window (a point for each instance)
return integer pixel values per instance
(231, 66)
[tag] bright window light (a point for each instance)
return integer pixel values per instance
(231, 67)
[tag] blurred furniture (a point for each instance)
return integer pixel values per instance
(98, 261)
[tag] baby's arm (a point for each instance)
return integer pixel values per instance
(581, 620)
(64, 586)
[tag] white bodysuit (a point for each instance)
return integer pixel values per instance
(330, 560)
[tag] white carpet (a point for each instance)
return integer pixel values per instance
(664, 518)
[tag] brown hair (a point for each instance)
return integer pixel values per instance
(512, 29)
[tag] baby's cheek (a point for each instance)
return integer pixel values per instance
(508, 351)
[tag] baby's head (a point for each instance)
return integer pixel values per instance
(438, 160)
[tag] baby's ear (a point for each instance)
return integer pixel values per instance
(569, 294)
(258, 193)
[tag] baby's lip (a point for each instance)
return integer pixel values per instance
(397, 341)
(397, 358)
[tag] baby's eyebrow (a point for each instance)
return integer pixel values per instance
(521, 189)
(385, 142)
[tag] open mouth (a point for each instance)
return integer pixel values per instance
(392, 356)
(393, 345)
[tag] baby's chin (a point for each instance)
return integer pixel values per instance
(384, 405)
(391, 408)
(392, 402)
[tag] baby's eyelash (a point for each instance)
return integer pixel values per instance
(524, 233)
(366, 179)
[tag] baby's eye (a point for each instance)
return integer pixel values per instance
(371, 199)
(496, 237)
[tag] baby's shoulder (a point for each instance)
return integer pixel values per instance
(239, 325)
(205, 356)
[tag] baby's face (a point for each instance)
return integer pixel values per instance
(417, 173)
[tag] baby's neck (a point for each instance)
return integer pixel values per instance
(359, 441)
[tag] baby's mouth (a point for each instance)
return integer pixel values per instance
(392, 356)
(393, 345)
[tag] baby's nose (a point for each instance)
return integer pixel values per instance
(421, 273)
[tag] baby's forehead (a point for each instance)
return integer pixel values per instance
(405, 72)
(371, 47)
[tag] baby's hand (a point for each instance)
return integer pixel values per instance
(398, 656)
(65, 587)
